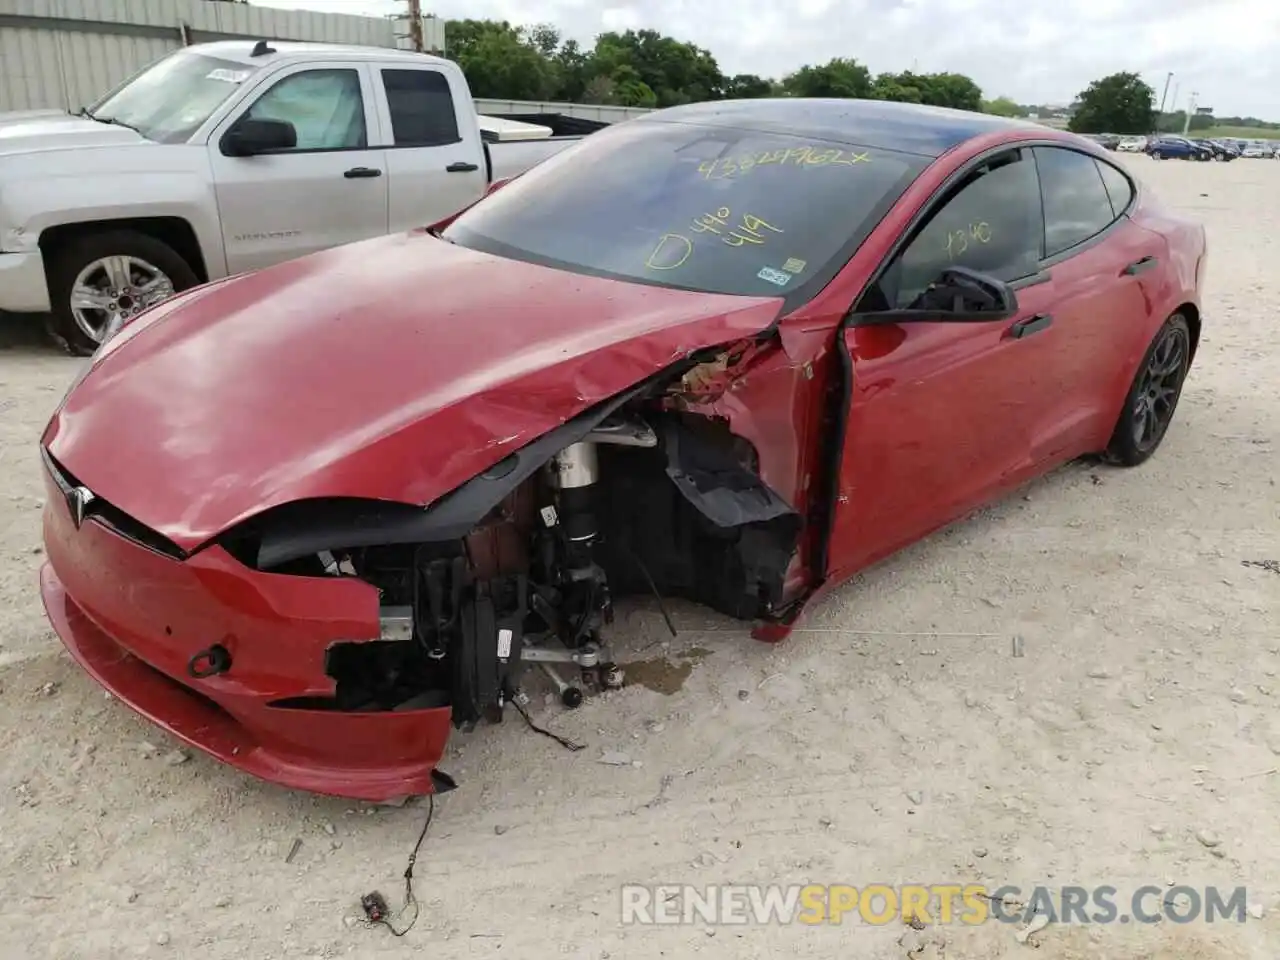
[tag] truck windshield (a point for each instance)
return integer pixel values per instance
(169, 100)
(696, 207)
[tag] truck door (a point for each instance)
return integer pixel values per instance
(435, 158)
(329, 189)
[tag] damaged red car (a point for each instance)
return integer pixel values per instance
(311, 519)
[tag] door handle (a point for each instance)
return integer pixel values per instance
(1138, 266)
(461, 166)
(357, 173)
(1025, 328)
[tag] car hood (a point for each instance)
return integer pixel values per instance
(395, 369)
(28, 131)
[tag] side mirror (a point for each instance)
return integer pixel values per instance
(250, 137)
(969, 295)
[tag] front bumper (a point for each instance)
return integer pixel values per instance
(133, 619)
(23, 288)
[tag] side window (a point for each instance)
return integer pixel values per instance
(1076, 204)
(326, 107)
(1119, 189)
(991, 224)
(421, 104)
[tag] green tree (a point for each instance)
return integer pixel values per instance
(900, 87)
(676, 72)
(1119, 103)
(499, 61)
(838, 78)
(573, 67)
(953, 90)
(1002, 107)
(745, 86)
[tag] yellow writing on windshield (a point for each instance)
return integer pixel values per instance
(670, 253)
(958, 241)
(747, 230)
(809, 156)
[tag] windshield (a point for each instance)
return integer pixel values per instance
(169, 101)
(696, 207)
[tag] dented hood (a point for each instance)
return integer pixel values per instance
(395, 369)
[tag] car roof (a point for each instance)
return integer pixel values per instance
(241, 51)
(879, 124)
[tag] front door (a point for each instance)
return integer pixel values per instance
(328, 190)
(941, 412)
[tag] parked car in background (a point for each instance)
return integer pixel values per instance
(232, 156)
(1178, 148)
(311, 518)
(1109, 141)
(1132, 145)
(1221, 150)
(1260, 150)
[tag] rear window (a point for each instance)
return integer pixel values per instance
(701, 208)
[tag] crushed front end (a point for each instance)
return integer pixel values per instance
(331, 644)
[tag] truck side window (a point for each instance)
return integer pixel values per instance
(421, 105)
(326, 107)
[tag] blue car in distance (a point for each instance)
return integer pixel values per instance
(1178, 148)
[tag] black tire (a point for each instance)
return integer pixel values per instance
(1153, 396)
(79, 253)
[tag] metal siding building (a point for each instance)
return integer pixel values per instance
(65, 54)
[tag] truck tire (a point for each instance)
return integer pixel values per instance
(98, 280)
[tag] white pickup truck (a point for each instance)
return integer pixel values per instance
(231, 156)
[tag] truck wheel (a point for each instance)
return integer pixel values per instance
(100, 280)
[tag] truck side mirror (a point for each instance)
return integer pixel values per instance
(251, 136)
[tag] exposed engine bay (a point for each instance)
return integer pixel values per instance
(520, 567)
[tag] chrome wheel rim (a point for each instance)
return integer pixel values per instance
(111, 290)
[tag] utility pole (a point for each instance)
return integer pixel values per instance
(1191, 108)
(1160, 113)
(415, 24)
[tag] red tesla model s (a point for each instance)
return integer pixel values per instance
(312, 518)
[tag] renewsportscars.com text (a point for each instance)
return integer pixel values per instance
(969, 904)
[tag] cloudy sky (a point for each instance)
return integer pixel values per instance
(1035, 51)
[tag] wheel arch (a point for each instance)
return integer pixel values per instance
(1192, 315)
(172, 231)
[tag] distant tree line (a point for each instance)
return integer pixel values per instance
(644, 68)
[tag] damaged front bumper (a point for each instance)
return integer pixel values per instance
(140, 622)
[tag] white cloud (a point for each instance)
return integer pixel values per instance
(1228, 51)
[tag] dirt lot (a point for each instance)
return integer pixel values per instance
(870, 748)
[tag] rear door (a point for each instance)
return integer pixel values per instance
(1103, 266)
(941, 412)
(435, 159)
(328, 190)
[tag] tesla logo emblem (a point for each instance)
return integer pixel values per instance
(80, 500)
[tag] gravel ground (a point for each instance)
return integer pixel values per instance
(1135, 742)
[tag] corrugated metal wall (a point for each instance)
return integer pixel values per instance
(66, 54)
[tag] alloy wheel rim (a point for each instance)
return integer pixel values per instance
(1159, 388)
(112, 290)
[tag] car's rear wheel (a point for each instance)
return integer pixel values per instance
(1153, 395)
(100, 280)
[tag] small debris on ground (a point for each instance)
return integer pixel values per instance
(615, 758)
(1208, 838)
(1036, 924)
